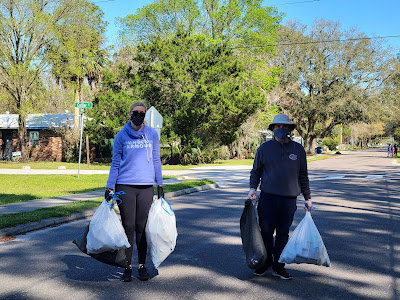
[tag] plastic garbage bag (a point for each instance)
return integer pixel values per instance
(305, 245)
(114, 258)
(105, 230)
(161, 233)
(253, 244)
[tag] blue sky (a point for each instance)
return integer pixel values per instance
(375, 18)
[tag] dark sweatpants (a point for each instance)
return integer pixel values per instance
(134, 210)
(275, 215)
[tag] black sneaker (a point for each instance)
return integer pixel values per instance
(127, 276)
(143, 275)
(282, 273)
(261, 271)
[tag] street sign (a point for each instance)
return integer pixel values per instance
(154, 119)
(84, 104)
(82, 110)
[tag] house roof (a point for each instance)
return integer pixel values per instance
(38, 121)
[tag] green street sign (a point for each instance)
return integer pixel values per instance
(82, 110)
(83, 104)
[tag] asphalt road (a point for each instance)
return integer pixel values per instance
(357, 214)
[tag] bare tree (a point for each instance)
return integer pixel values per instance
(28, 29)
(331, 76)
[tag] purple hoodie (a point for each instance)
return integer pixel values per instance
(136, 157)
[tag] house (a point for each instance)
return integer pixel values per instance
(45, 139)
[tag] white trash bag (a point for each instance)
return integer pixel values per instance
(161, 233)
(305, 245)
(105, 231)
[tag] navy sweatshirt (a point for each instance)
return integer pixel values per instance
(282, 169)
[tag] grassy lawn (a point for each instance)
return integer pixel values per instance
(106, 166)
(11, 220)
(19, 188)
(52, 165)
(318, 157)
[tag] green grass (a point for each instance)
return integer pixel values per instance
(11, 220)
(20, 188)
(220, 162)
(106, 166)
(185, 185)
(319, 157)
(52, 165)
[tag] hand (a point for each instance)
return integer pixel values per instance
(160, 191)
(252, 194)
(107, 193)
(308, 205)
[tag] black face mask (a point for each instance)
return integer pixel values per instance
(137, 118)
(281, 132)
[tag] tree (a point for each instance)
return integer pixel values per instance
(77, 55)
(390, 98)
(362, 133)
(330, 77)
(204, 93)
(28, 30)
(160, 19)
(239, 22)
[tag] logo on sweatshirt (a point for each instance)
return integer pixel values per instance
(293, 156)
(136, 144)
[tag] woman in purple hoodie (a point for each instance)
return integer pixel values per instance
(135, 166)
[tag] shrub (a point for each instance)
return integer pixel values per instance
(331, 143)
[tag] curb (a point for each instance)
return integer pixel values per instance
(52, 222)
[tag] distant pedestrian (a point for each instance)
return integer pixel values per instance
(281, 165)
(395, 150)
(392, 150)
(389, 151)
(135, 166)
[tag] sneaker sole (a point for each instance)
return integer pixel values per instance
(126, 280)
(261, 274)
(144, 279)
(281, 277)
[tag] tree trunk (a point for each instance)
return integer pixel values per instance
(309, 144)
(22, 132)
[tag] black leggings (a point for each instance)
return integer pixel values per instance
(134, 210)
(275, 215)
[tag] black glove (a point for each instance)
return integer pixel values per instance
(160, 192)
(107, 193)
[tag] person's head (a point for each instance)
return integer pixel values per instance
(281, 126)
(137, 112)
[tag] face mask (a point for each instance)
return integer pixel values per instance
(281, 133)
(137, 118)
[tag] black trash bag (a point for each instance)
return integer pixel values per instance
(116, 258)
(253, 244)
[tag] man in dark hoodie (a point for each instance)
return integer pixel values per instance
(281, 165)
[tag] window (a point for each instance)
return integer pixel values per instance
(34, 138)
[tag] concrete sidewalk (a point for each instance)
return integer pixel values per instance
(32, 205)
(222, 175)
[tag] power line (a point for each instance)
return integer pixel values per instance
(322, 41)
(296, 2)
(259, 46)
(108, 1)
(285, 44)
